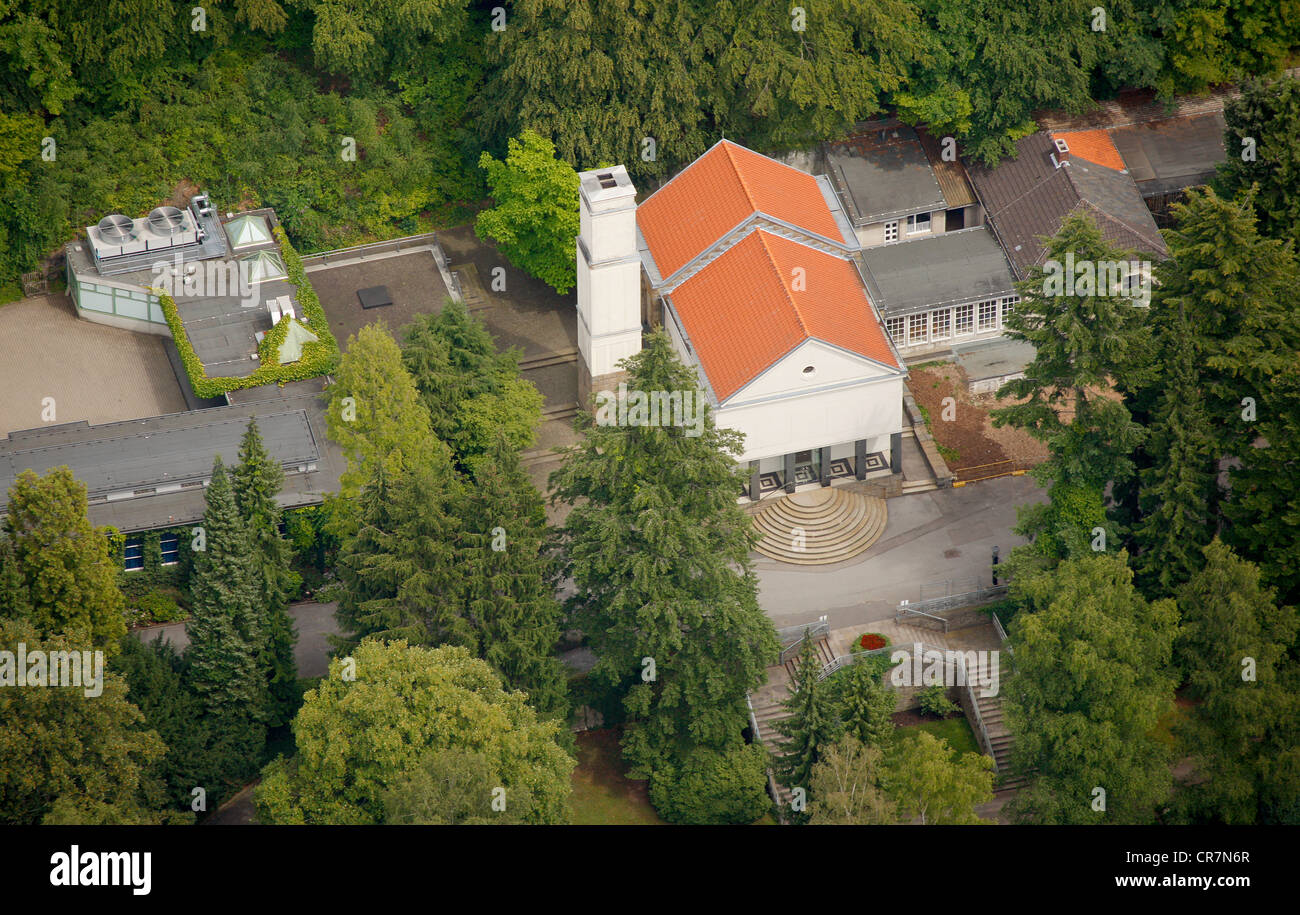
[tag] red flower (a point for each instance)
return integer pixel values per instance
(870, 641)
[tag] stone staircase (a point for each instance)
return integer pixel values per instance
(819, 526)
(1001, 738)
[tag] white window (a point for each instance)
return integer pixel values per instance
(895, 328)
(170, 545)
(941, 324)
(918, 224)
(133, 554)
(917, 328)
(965, 319)
(989, 315)
(891, 231)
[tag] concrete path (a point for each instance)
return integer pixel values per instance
(314, 622)
(932, 536)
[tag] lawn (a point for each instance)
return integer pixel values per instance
(955, 730)
(602, 794)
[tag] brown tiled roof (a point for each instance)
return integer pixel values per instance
(1027, 199)
(951, 176)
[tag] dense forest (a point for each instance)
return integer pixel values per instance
(113, 105)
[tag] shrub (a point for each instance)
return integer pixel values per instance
(154, 607)
(713, 789)
(934, 701)
(319, 357)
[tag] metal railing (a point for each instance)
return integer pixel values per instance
(905, 608)
(949, 656)
(795, 635)
(374, 247)
(951, 602)
(979, 472)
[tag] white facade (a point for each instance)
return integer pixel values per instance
(609, 271)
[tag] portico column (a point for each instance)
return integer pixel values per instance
(860, 458)
(896, 452)
(789, 472)
(825, 472)
(755, 481)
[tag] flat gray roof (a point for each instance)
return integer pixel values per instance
(176, 452)
(884, 172)
(1168, 155)
(944, 269)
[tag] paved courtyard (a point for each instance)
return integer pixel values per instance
(94, 373)
(930, 537)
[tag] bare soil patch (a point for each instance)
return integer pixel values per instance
(968, 438)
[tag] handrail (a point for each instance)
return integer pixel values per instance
(398, 242)
(815, 630)
(905, 608)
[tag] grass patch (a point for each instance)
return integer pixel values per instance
(948, 454)
(603, 795)
(955, 730)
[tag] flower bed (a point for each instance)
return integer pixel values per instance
(870, 641)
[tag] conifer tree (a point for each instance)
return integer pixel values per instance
(257, 480)
(1233, 647)
(810, 727)
(398, 573)
(228, 625)
(508, 573)
(659, 552)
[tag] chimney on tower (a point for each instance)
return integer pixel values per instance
(609, 279)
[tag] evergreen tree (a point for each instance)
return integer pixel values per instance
(472, 392)
(810, 725)
(1233, 647)
(1179, 487)
(508, 573)
(257, 480)
(863, 705)
(56, 570)
(1261, 127)
(227, 628)
(1082, 340)
(659, 552)
(1092, 680)
(398, 574)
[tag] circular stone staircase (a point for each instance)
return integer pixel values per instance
(819, 526)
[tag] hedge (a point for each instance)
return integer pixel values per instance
(319, 357)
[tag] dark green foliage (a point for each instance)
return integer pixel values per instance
(1092, 680)
(659, 552)
(1260, 140)
(712, 788)
(398, 574)
(257, 480)
(934, 701)
(1242, 734)
(508, 573)
(811, 723)
(473, 392)
(228, 628)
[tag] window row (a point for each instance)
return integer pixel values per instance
(946, 323)
(133, 552)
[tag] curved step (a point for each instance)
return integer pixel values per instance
(819, 527)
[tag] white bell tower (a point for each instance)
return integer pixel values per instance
(609, 278)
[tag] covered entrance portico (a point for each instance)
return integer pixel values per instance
(847, 461)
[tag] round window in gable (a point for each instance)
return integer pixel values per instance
(809, 371)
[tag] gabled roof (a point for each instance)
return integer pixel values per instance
(717, 192)
(1093, 145)
(1028, 197)
(747, 309)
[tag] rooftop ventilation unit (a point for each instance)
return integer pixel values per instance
(166, 221)
(116, 229)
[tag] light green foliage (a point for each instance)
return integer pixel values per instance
(72, 758)
(374, 411)
(845, 789)
(929, 785)
(56, 570)
(1092, 679)
(358, 740)
(451, 787)
(535, 219)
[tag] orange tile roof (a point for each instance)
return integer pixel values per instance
(1094, 146)
(743, 311)
(719, 190)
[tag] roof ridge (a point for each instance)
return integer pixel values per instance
(740, 175)
(789, 293)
